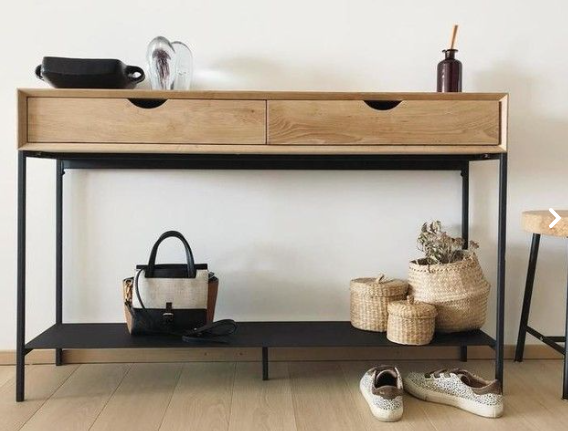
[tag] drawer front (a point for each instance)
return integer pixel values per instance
(410, 122)
(177, 121)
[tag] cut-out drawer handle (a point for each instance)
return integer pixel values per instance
(147, 103)
(382, 105)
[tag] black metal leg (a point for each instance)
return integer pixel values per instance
(520, 350)
(465, 229)
(501, 249)
(21, 280)
(565, 385)
(463, 353)
(465, 204)
(59, 252)
(265, 363)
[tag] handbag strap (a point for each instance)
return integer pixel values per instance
(147, 316)
(211, 332)
(191, 272)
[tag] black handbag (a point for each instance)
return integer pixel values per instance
(176, 299)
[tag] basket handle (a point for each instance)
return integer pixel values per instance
(382, 278)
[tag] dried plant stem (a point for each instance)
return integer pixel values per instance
(439, 247)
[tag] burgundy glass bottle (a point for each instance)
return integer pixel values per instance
(450, 73)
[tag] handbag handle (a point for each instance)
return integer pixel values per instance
(188, 254)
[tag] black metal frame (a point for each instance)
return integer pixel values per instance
(66, 161)
(265, 363)
(59, 172)
(524, 328)
(465, 229)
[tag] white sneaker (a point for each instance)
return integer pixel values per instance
(458, 388)
(382, 389)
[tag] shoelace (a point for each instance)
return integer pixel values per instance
(444, 372)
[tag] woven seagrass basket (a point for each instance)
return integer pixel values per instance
(370, 298)
(458, 290)
(411, 322)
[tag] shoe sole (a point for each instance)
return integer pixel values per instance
(381, 414)
(484, 410)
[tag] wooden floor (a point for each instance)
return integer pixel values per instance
(231, 396)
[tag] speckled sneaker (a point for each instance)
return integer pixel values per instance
(382, 389)
(458, 388)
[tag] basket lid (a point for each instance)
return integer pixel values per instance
(381, 285)
(411, 309)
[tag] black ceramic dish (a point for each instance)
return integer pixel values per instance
(63, 72)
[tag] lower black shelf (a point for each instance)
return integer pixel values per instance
(249, 334)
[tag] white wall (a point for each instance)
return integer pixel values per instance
(286, 244)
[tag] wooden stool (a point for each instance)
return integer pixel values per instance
(537, 222)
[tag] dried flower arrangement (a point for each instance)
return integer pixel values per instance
(439, 247)
(450, 278)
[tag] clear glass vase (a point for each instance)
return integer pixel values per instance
(184, 71)
(162, 63)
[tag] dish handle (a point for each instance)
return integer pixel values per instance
(134, 73)
(38, 72)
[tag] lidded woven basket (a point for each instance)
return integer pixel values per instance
(458, 290)
(411, 322)
(370, 298)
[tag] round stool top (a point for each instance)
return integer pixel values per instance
(539, 222)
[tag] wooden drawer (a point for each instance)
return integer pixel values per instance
(408, 122)
(177, 121)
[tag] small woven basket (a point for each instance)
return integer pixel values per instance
(411, 323)
(370, 298)
(458, 290)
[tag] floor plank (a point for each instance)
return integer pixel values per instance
(228, 397)
(7, 372)
(322, 400)
(41, 382)
(538, 403)
(552, 372)
(262, 405)
(78, 402)
(202, 398)
(141, 400)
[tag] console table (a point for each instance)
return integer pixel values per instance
(143, 129)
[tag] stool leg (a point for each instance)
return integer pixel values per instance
(565, 385)
(527, 299)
